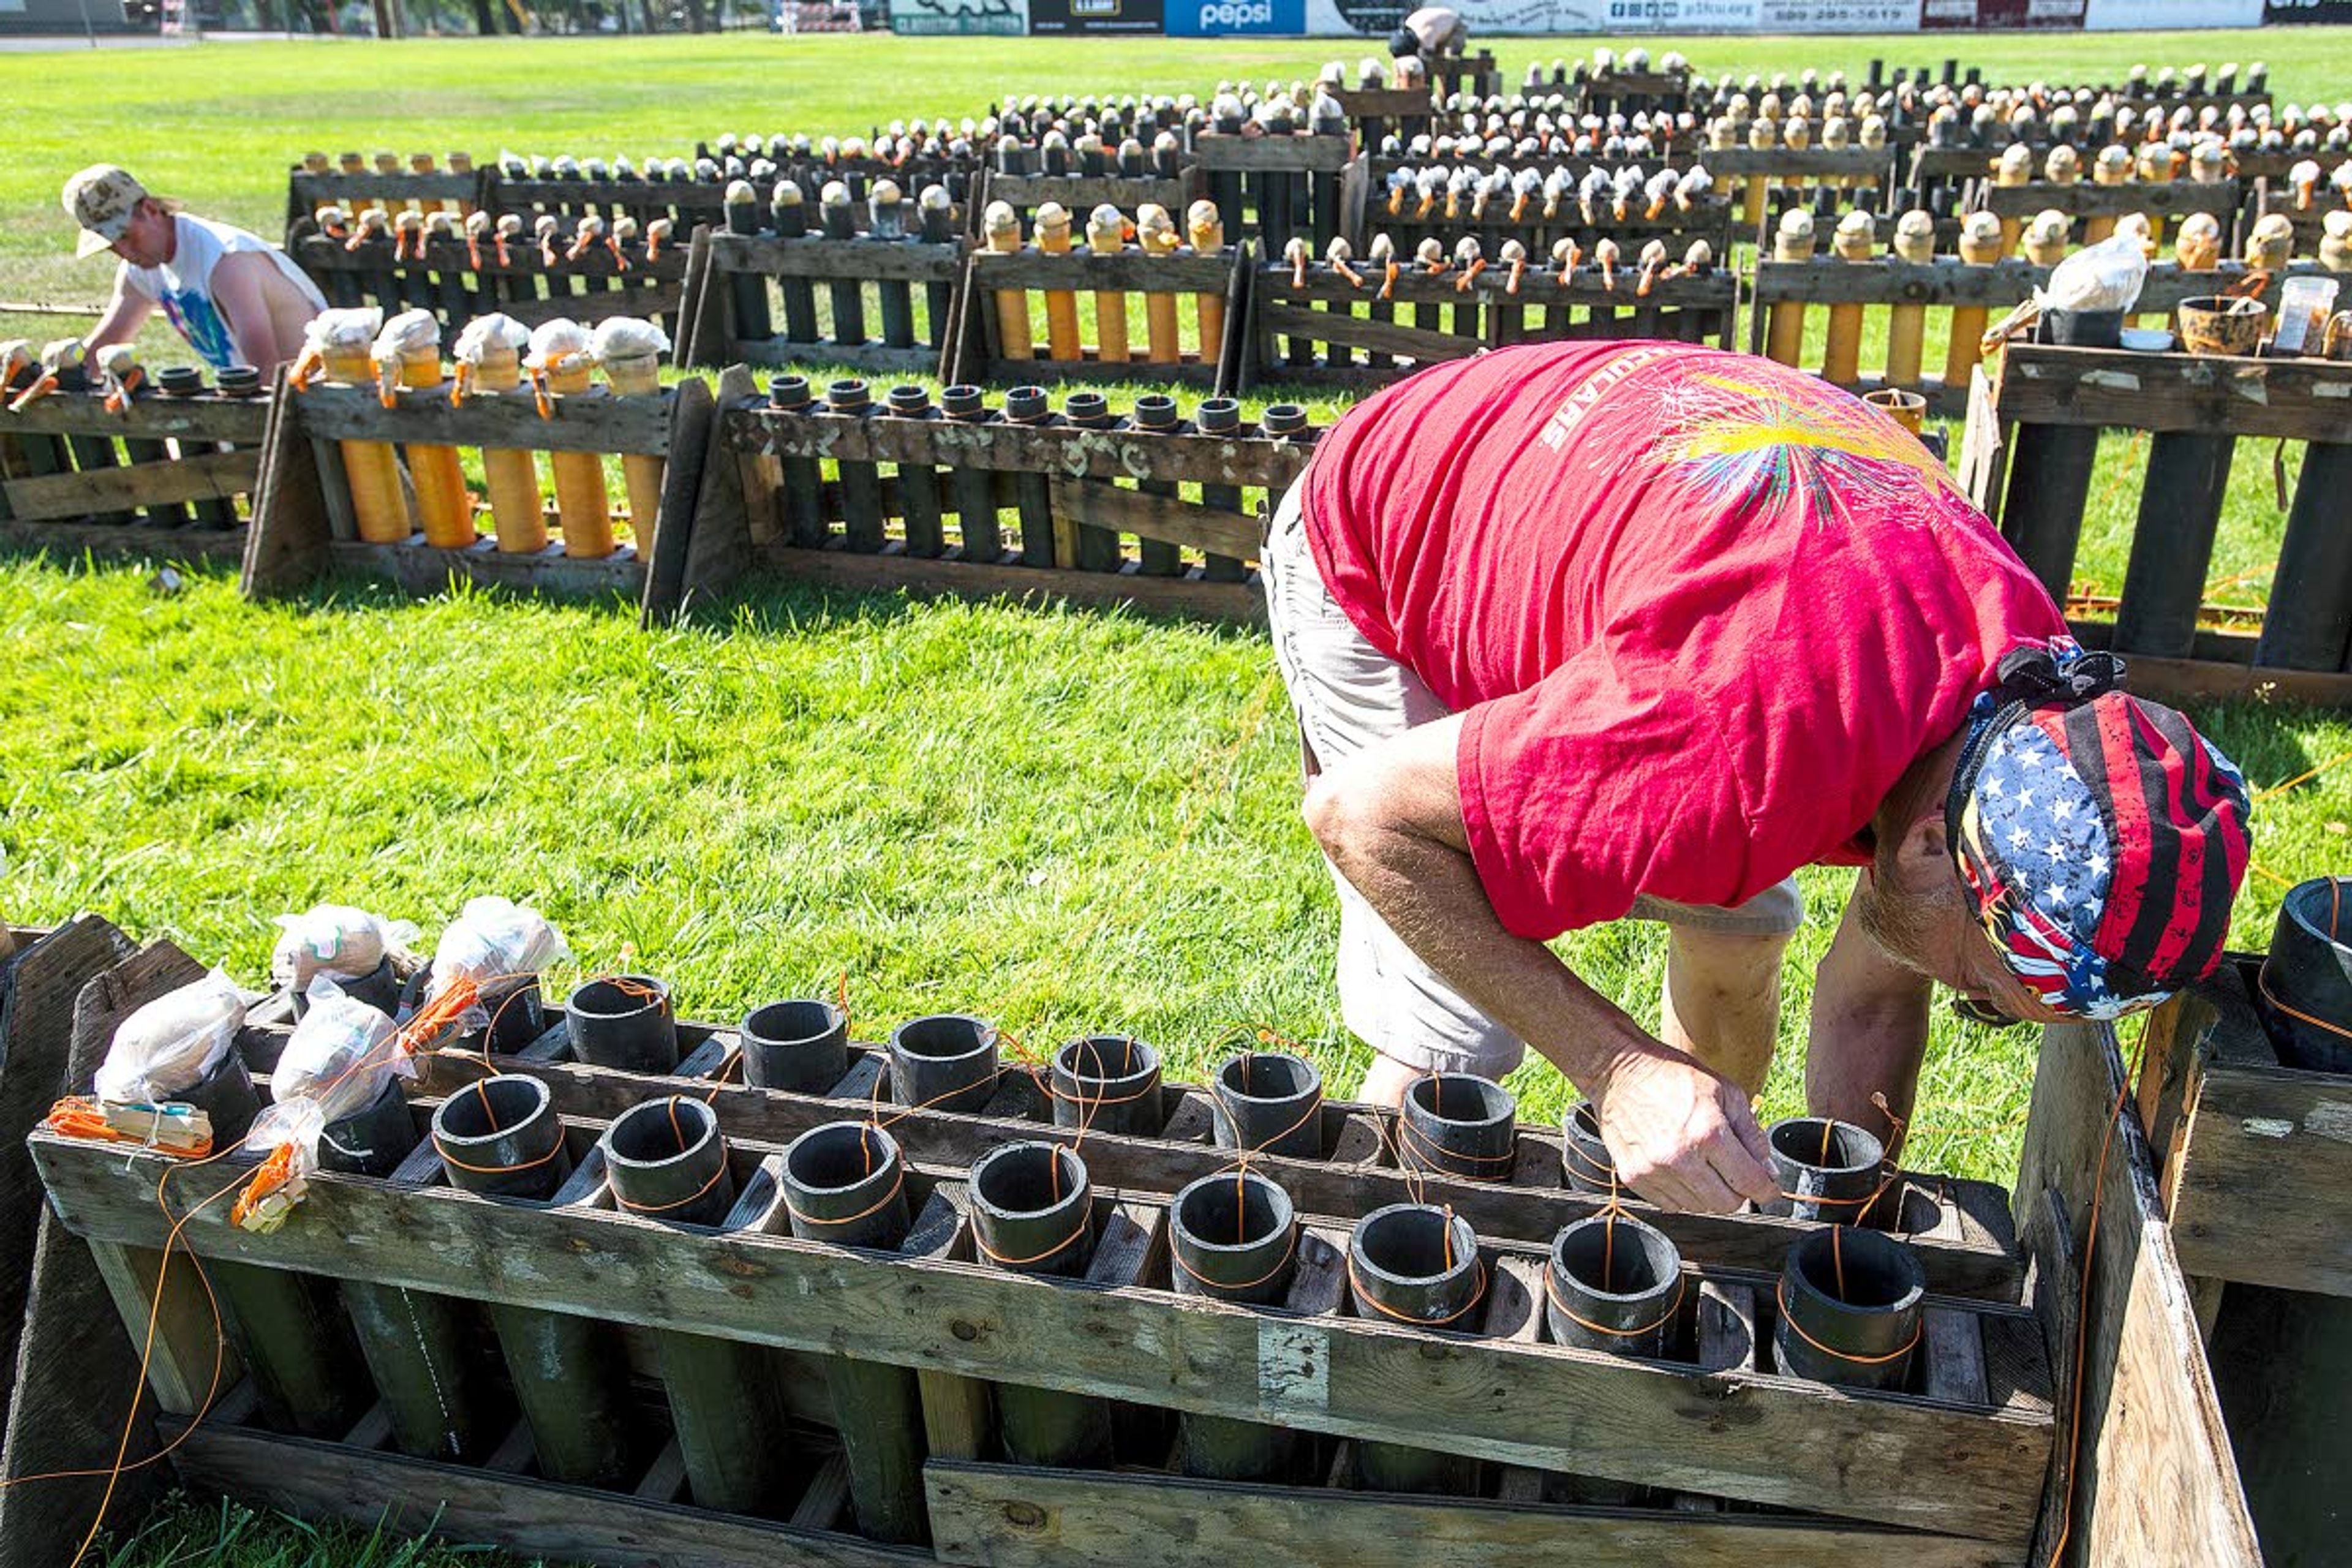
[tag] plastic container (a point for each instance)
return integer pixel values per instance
(2082, 329)
(2210, 324)
(2304, 308)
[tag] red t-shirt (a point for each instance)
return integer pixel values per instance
(1703, 609)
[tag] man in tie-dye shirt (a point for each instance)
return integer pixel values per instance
(1583, 631)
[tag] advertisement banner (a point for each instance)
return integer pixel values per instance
(2331, 11)
(1224, 18)
(2118, 15)
(1839, 16)
(931, 17)
(1941, 15)
(1066, 17)
(1504, 18)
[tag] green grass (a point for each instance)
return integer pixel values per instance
(1064, 819)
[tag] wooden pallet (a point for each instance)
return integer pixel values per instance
(2032, 442)
(2164, 203)
(447, 281)
(1268, 188)
(1710, 218)
(167, 479)
(1115, 514)
(1330, 332)
(1033, 276)
(305, 525)
(884, 307)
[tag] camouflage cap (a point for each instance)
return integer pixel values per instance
(102, 199)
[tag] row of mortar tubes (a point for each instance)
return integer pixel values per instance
(1107, 233)
(505, 240)
(1439, 192)
(1567, 261)
(493, 357)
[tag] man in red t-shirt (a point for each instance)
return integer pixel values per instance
(1579, 631)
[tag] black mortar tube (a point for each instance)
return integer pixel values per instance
(1415, 1264)
(2309, 970)
(1033, 493)
(919, 483)
(974, 487)
(1223, 417)
(788, 209)
(1233, 1238)
(946, 1061)
(939, 297)
(1156, 412)
(1826, 1169)
(1270, 1101)
(667, 1162)
(803, 484)
(2309, 625)
(226, 1097)
(861, 482)
(1099, 548)
(1108, 1083)
(1584, 1160)
(747, 291)
(1612, 1284)
(1032, 1212)
(800, 1046)
(1458, 1125)
(1849, 1308)
(839, 220)
(416, 1343)
(623, 1021)
(845, 1183)
(502, 1138)
(887, 221)
(379, 988)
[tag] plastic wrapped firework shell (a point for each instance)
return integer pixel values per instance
(167, 1047)
(335, 939)
(337, 1062)
(488, 336)
(493, 939)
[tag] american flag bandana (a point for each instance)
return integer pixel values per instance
(2101, 838)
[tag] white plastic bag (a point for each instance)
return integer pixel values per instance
(341, 1054)
(167, 1047)
(493, 940)
(335, 939)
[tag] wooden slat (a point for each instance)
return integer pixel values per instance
(1185, 524)
(2262, 1158)
(1239, 603)
(1083, 193)
(2155, 1481)
(524, 1515)
(1717, 290)
(313, 191)
(213, 476)
(590, 422)
(1269, 464)
(1130, 271)
(418, 568)
(1362, 332)
(866, 260)
(693, 444)
(1892, 281)
(1799, 163)
(998, 1516)
(880, 358)
(1296, 153)
(2087, 199)
(125, 542)
(208, 418)
(287, 543)
(2301, 400)
(1889, 1460)
(448, 257)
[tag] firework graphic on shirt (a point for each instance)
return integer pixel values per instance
(1734, 433)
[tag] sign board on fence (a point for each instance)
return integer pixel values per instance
(1078, 16)
(2114, 16)
(1221, 18)
(1507, 18)
(2333, 11)
(959, 16)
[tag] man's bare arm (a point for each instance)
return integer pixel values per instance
(1391, 819)
(124, 314)
(238, 289)
(1869, 1028)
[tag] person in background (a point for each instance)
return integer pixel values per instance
(1429, 32)
(234, 296)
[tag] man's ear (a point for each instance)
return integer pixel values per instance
(1923, 851)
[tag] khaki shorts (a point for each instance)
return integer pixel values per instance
(1349, 695)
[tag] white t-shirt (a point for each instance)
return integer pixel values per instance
(183, 285)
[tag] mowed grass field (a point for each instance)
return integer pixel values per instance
(1064, 820)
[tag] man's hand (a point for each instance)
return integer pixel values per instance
(1682, 1137)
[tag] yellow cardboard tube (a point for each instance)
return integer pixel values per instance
(1004, 232)
(642, 471)
(444, 505)
(1061, 305)
(1106, 236)
(1206, 228)
(371, 468)
(512, 477)
(581, 509)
